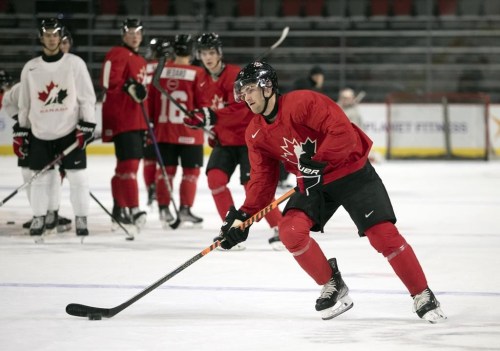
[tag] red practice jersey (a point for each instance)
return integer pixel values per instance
(232, 117)
(183, 83)
(309, 122)
(119, 112)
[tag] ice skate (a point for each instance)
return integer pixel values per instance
(51, 220)
(120, 215)
(275, 241)
(427, 307)
(165, 217)
(63, 224)
(37, 228)
(81, 227)
(188, 219)
(334, 299)
(139, 217)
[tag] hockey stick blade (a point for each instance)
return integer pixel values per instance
(283, 36)
(79, 310)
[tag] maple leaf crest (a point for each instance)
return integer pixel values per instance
(293, 149)
(217, 102)
(45, 94)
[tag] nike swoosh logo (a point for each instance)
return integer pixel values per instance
(254, 135)
(77, 162)
(368, 214)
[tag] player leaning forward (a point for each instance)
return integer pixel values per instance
(56, 108)
(315, 140)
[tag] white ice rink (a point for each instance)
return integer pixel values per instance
(256, 299)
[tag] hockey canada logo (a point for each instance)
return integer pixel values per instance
(293, 149)
(52, 94)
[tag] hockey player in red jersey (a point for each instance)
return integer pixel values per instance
(229, 148)
(123, 122)
(176, 141)
(56, 108)
(316, 141)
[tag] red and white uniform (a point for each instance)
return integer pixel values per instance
(185, 84)
(10, 100)
(232, 118)
(303, 115)
(120, 113)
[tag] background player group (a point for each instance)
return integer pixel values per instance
(306, 131)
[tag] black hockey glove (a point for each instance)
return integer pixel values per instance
(21, 141)
(84, 133)
(203, 117)
(136, 90)
(312, 174)
(231, 234)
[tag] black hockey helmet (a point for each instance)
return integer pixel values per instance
(50, 23)
(208, 41)
(259, 73)
(6, 79)
(183, 45)
(159, 47)
(132, 23)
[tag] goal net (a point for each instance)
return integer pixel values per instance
(437, 125)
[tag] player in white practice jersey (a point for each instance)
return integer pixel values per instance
(56, 109)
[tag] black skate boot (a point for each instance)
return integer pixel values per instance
(165, 217)
(51, 220)
(334, 299)
(27, 225)
(427, 307)
(187, 217)
(37, 226)
(81, 226)
(122, 217)
(275, 241)
(63, 224)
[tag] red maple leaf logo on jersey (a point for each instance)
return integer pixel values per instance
(293, 149)
(45, 94)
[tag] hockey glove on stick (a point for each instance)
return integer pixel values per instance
(231, 234)
(312, 174)
(203, 117)
(136, 90)
(21, 141)
(84, 133)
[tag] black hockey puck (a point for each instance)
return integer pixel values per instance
(11, 222)
(95, 317)
(129, 238)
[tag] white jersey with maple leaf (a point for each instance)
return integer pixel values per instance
(54, 96)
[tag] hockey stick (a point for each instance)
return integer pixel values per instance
(43, 170)
(79, 310)
(129, 235)
(283, 36)
(361, 95)
(156, 83)
(173, 224)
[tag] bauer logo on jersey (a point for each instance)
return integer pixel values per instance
(294, 149)
(53, 96)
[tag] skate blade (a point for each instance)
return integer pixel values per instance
(342, 305)
(62, 228)
(190, 225)
(140, 222)
(435, 316)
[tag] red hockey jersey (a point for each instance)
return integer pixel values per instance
(119, 112)
(232, 117)
(306, 121)
(183, 83)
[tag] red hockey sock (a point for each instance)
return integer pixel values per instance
(124, 183)
(294, 233)
(149, 171)
(162, 192)
(217, 183)
(386, 239)
(188, 186)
